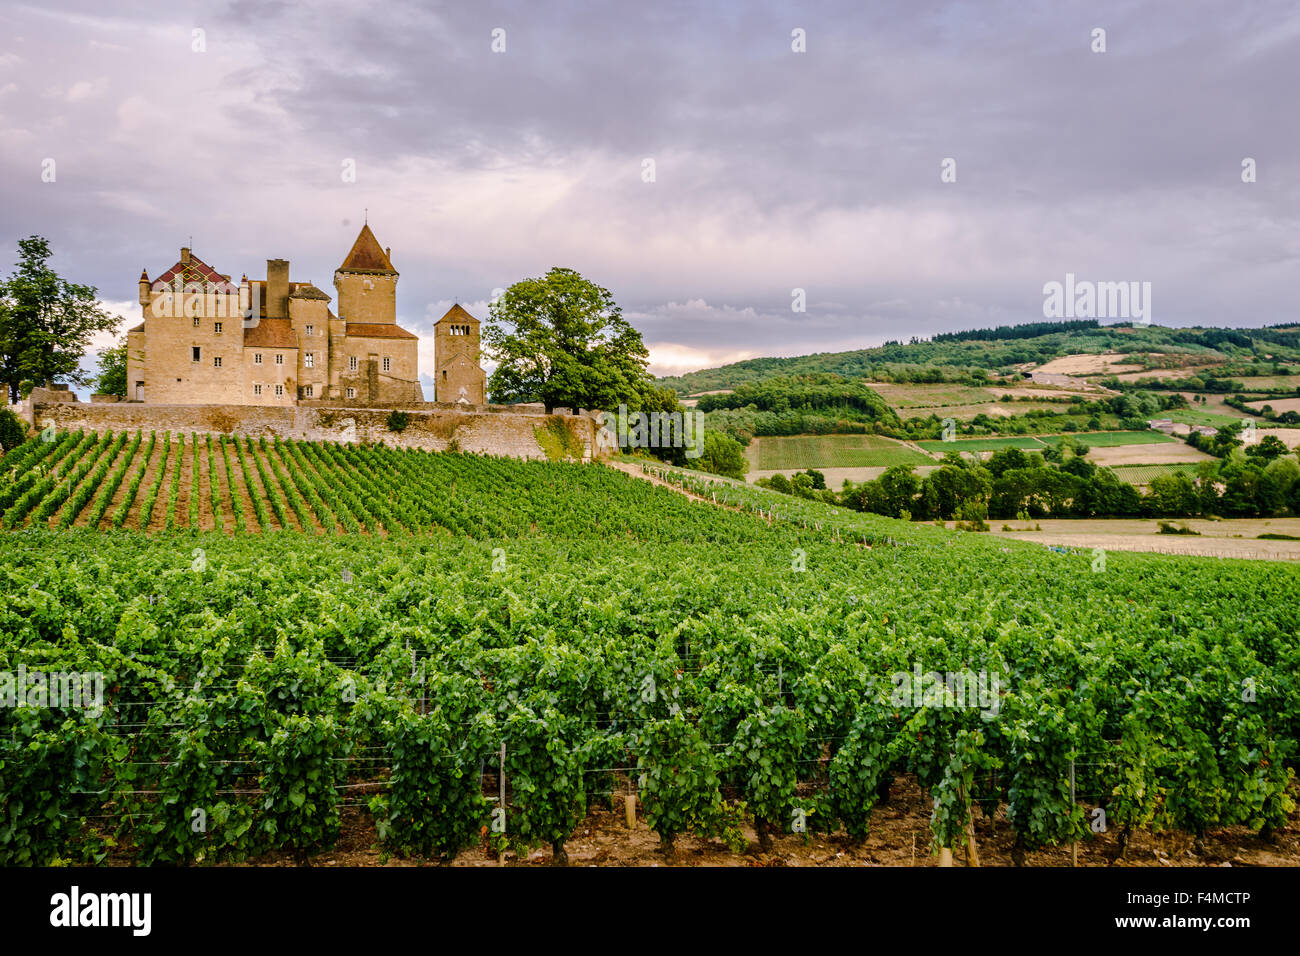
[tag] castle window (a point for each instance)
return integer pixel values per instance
(279, 358)
(306, 391)
(352, 393)
(196, 321)
(309, 360)
(352, 363)
(311, 329)
(279, 390)
(194, 354)
(444, 375)
(257, 389)
(216, 361)
(388, 364)
(216, 327)
(257, 360)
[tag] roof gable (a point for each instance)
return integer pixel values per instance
(458, 315)
(196, 270)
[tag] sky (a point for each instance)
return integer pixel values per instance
(746, 178)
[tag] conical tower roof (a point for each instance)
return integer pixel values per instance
(367, 255)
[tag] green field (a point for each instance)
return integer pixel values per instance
(1190, 416)
(1027, 442)
(932, 395)
(1113, 439)
(831, 451)
(373, 629)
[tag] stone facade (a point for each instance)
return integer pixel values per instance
(207, 341)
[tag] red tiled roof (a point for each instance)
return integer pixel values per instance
(366, 255)
(458, 315)
(376, 330)
(271, 334)
(196, 270)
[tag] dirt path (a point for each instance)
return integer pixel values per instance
(635, 471)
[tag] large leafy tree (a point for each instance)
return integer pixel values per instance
(46, 322)
(563, 341)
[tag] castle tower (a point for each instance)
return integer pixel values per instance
(367, 283)
(458, 376)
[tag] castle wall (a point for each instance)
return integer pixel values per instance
(492, 430)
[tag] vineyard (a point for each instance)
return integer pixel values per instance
(474, 651)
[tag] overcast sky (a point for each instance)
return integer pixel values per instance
(773, 170)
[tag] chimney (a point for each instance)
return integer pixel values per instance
(185, 255)
(277, 288)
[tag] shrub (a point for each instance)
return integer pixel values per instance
(398, 420)
(12, 430)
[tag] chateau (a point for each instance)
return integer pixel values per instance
(207, 341)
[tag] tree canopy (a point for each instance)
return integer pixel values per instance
(46, 322)
(562, 340)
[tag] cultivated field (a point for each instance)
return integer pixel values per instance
(450, 657)
(941, 448)
(1238, 537)
(784, 453)
(1169, 452)
(1143, 474)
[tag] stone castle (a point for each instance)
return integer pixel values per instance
(207, 341)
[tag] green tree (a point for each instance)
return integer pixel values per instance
(723, 456)
(1269, 447)
(563, 341)
(112, 370)
(45, 321)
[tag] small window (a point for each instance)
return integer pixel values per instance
(216, 361)
(257, 389)
(352, 363)
(309, 360)
(279, 358)
(216, 327)
(311, 330)
(194, 354)
(257, 358)
(352, 393)
(279, 390)
(306, 391)
(388, 364)
(196, 322)
(444, 375)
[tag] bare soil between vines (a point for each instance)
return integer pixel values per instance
(900, 836)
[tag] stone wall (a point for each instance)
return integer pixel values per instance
(493, 430)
